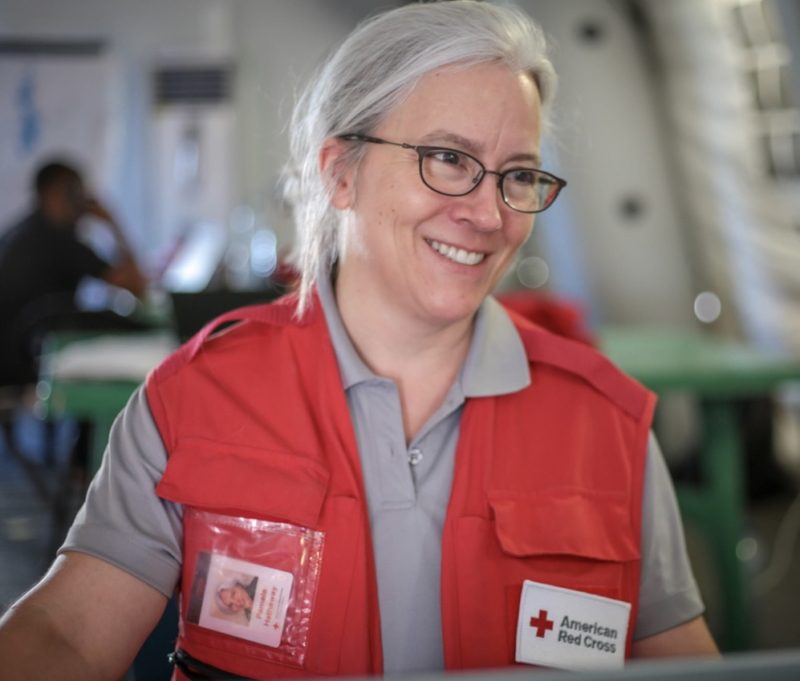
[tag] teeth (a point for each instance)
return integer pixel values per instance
(458, 255)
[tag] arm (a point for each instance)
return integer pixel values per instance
(85, 620)
(670, 621)
(126, 273)
(686, 640)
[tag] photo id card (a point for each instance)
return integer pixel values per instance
(240, 598)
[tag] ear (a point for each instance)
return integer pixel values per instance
(337, 173)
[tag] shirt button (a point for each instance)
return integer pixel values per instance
(414, 455)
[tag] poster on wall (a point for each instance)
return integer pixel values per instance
(55, 101)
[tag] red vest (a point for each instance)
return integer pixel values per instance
(547, 484)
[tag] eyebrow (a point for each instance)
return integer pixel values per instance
(471, 146)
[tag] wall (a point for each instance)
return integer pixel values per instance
(613, 241)
(273, 45)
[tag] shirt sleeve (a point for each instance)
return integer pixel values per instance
(122, 520)
(668, 593)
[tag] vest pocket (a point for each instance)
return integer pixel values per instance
(581, 525)
(582, 542)
(241, 480)
(265, 515)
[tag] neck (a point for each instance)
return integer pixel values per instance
(422, 358)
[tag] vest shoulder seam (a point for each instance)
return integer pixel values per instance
(585, 362)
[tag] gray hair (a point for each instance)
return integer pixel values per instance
(375, 68)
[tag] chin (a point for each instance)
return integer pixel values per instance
(449, 309)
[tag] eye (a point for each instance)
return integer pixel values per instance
(449, 171)
(522, 176)
(447, 157)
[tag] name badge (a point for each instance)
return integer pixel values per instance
(241, 599)
(570, 629)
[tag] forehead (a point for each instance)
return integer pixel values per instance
(495, 108)
(68, 183)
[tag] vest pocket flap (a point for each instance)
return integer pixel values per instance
(240, 480)
(574, 524)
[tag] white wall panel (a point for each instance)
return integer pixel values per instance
(619, 210)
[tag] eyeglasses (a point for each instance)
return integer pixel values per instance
(456, 173)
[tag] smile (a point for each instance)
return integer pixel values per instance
(458, 255)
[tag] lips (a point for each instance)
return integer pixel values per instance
(458, 255)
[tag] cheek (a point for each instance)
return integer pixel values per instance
(389, 215)
(519, 231)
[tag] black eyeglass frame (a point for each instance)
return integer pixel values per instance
(423, 149)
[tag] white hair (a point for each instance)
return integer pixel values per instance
(375, 68)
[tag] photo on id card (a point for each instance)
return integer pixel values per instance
(239, 598)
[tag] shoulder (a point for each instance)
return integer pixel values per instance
(239, 333)
(265, 357)
(25, 251)
(21, 229)
(582, 363)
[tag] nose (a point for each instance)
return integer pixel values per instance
(483, 204)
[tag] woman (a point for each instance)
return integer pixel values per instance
(455, 488)
(235, 597)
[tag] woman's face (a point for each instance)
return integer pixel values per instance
(393, 258)
(235, 598)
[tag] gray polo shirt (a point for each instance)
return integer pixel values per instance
(407, 487)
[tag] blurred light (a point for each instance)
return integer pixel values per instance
(124, 303)
(707, 307)
(43, 391)
(263, 252)
(533, 272)
(92, 295)
(747, 549)
(197, 258)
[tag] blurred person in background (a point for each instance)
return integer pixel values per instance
(431, 456)
(42, 262)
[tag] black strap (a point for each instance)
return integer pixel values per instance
(195, 670)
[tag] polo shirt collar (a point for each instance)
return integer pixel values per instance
(496, 363)
(351, 366)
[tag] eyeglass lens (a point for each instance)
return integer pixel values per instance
(451, 172)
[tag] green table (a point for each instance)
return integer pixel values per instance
(91, 397)
(717, 372)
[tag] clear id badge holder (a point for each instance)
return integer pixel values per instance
(253, 581)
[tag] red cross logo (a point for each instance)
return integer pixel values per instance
(541, 623)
